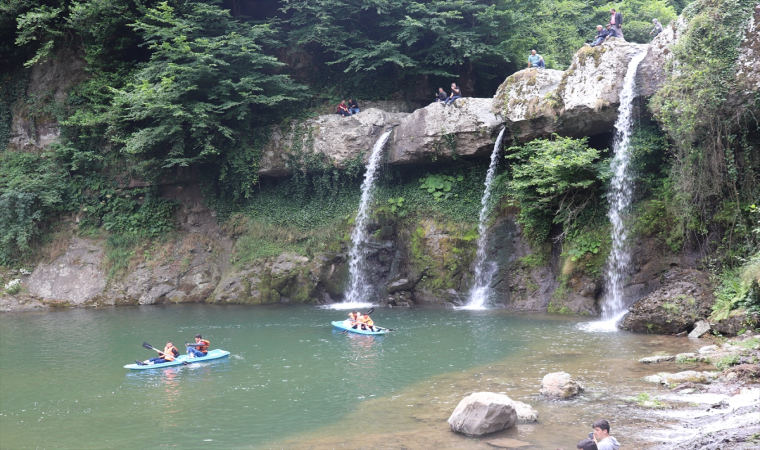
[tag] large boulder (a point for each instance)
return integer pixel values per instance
(581, 101)
(334, 140)
(686, 296)
(465, 128)
(559, 385)
(482, 413)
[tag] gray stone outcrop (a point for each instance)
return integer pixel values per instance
(482, 413)
(685, 297)
(559, 385)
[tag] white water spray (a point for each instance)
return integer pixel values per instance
(359, 290)
(621, 192)
(484, 270)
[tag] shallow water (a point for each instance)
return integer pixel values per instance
(294, 382)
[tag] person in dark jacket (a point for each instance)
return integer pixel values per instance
(353, 107)
(601, 35)
(441, 96)
(616, 20)
(455, 94)
(611, 32)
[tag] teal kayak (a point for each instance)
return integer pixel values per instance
(346, 326)
(182, 359)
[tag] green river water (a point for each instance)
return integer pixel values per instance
(292, 381)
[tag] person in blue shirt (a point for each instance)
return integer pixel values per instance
(535, 60)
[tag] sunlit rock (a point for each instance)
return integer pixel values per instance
(560, 385)
(482, 413)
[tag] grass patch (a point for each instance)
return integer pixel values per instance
(727, 361)
(750, 344)
(647, 401)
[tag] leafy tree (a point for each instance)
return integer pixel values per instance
(554, 181)
(207, 82)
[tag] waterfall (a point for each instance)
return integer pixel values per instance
(482, 269)
(358, 292)
(621, 192)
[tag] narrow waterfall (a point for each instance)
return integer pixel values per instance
(358, 292)
(484, 270)
(621, 192)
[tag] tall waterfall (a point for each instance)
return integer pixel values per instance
(358, 292)
(484, 270)
(621, 192)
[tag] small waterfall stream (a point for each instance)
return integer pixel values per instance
(484, 270)
(359, 290)
(620, 195)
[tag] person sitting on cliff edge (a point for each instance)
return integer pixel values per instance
(353, 107)
(535, 60)
(170, 352)
(455, 94)
(200, 348)
(601, 35)
(343, 109)
(441, 96)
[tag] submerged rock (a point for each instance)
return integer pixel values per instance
(560, 385)
(657, 359)
(482, 413)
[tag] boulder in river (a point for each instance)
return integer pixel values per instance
(560, 385)
(482, 413)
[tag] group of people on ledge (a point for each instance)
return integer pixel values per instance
(170, 353)
(348, 109)
(361, 321)
(445, 100)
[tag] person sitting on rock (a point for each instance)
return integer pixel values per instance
(657, 28)
(611, 32)
(353, 107)
(343, 109)
(200, 348)
(441, 96)
(170, 352)
(536, 60)
(455, 94)
(601, 35)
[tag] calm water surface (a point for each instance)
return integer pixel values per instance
(294, 382)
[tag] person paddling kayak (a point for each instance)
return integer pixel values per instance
(170, 352)
(200, 348)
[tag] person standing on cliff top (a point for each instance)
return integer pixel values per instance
(602, 436)
(616, 20)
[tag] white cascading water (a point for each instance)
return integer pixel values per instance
(621, 192)
(484, 270)
(359, 290)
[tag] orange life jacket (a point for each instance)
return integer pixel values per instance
(352, 316)
(203, 348)
(169, 353)
(367, 320)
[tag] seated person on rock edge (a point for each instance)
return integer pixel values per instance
(601, 35)
(441, 96)
(455, 94)
(611, 32)
(200, 348)
(536, 60)
(353, 107)
(343, 109)
(657, 28)
(170, 352)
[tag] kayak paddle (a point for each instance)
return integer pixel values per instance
(150, 347)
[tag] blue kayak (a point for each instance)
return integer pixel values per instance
(346, 326)
(211, 355)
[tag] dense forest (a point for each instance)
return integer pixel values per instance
(199, 83)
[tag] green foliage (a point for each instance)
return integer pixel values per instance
(638, 15)
(738, 289)
(727, 361)
(714, 156)
(262, 240)
(12, 89)
(439, 185)
(394, 207)
(647, 401)
(554, 182)
(33, 188)
(206, 82)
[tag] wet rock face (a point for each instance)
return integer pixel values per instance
(74, 278)
(482, 413)
(560, 385)
(685, 297)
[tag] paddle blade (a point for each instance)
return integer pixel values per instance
(148, 346)
(371, 310)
